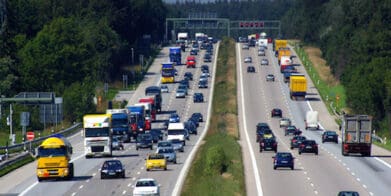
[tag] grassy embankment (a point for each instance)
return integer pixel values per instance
(16, 165)
(328, 86)
(218, 167)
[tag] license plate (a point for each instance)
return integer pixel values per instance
(111, 173)
(308, 147)
(52, 172)
(330, 136)
(284, 161)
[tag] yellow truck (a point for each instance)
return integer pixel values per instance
(279, 43)
(155, 161)
(297, 86)
(283, 52)
(53, 159)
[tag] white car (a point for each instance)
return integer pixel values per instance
(146, 186)
(248, 60)
(270, 77)
(284, 122)
(261, 53)
(164, 89)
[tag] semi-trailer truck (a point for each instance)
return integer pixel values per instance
(98, 135)
(175, 55)
(356, 134)
(120, 124)
(156, 92)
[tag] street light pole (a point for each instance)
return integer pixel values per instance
(132, 56)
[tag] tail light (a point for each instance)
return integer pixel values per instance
(274, 144)
(301, 145)
(262, 144)
(315, 146)
(294, 141)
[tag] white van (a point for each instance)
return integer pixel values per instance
(176, 131)
(311, 120)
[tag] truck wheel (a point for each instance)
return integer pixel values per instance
(39, 179)
(71, 171)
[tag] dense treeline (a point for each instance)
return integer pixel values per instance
(354, 37)
(355, 40)
(69, 46)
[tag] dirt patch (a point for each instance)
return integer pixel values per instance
(231, 120)
(315, 56)
(226, 175)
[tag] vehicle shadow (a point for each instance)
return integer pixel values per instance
(126, 155)
(81, 178)
(159, 121)
(168, 112)
(150, 73)
(312, 99)
(381, 156)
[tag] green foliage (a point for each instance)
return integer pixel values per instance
(78, 100)
(7, 78)
(216, 162)
(16, 165)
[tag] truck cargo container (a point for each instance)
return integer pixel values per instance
(356, 134)
(297, 86)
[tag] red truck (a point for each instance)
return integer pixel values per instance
(150, 100)
(191, 62)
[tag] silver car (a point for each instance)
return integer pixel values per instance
(164, 89)
(248, 60)
(261, 53)
(180, 93)
(264, 62)
(168, 152)
(245, 47)
(270, 77)
(284, 122)
(203, 78)
(177, 145)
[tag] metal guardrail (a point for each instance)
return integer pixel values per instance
(22, 146)
(13, 160)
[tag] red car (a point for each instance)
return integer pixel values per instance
(191, 62)
(276, 112)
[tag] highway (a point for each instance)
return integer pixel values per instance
(323, 174)
(87, 171)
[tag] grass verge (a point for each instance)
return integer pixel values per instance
(218, 167)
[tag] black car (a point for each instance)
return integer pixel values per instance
(309, 146)
(198, 97)
(207, 58)
(348, 193)
(112, 169)
(250, 69)
(157, 135)
(193, 52)
(198, 116)
(188, 75)
(297, 140)
(185, 82)
(329, 136)
(144, 141)
(203, 84)
(204, 67)
(268, 144)
(260, 130)
(291, 130)
(195, 120)
(206, 71)
(276, 112)
(191, 127)
(283, 159)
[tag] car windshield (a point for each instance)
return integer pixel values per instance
(144, 137)
(331, 133)
(176, 141)
(284, 155)
(112, 164)
(156, 156)
(145, 183)
(166, 150)
(162, 144)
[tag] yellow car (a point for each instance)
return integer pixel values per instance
(268, 134)
(155, 161)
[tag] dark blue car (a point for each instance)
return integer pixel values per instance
(283, 159)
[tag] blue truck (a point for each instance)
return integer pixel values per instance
(136, 120)
(175, 55)
(120, 126)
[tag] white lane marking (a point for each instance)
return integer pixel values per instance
(365, 186)
(189, 160)
(358, 179)
(73, 194)
(81, 186)
(124, 192)
(381, 161)
(316, 192)
(348, 168)
(130, 184)
(254, 163)
(88, 180)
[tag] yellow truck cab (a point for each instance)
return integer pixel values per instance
(53, 159)
(155, 161)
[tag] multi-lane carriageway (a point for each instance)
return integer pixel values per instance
(87, 175)
(325, 174)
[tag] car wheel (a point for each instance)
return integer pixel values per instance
(123, 175)
(292, 167)
(291, 147)
(102, 177)
(174, 161)
(322, 141)
(316, 153)
(136, 148)
(165, 168)
(299, 152)
(151, 147)
(275, 167)
(260, 149)
(147, 169)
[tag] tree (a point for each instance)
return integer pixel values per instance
(7, 78)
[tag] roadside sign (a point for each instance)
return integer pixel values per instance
(30, 135)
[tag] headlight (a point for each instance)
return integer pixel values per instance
(105, 171)
(66, 171)
(118, 170)
(40, 171)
